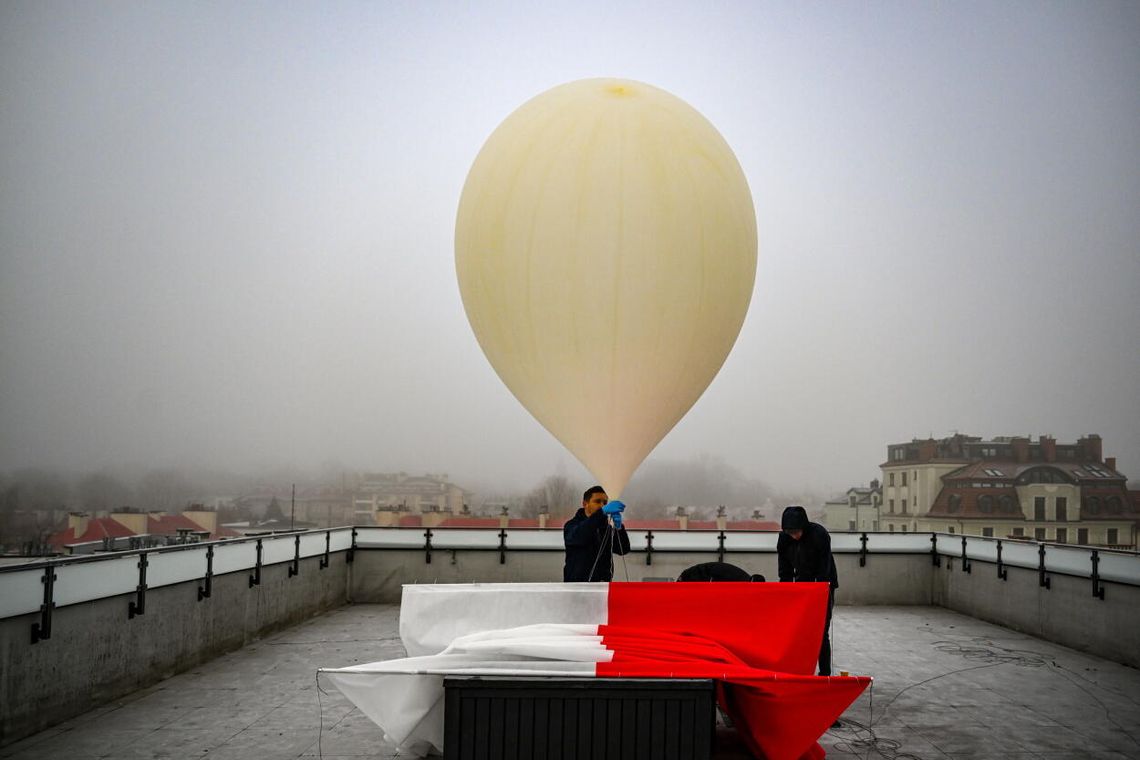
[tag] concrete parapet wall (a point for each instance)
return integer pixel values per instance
(377, 576)
(96, 654)
(1066, 613)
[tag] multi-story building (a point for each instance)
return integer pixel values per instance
(386, 498)
(859, 509)
(1009, 487)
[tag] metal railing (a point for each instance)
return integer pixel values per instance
(40, 587)
(44, 586)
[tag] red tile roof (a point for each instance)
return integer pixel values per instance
(96, 530)
(651, 524)
(469, 522)
(159, 524)
(753, 525)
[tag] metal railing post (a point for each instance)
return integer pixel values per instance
(255, 579)
(207, 588)
(42, 629)
(1043, 580)
(1097, 586)
(138, 607)
(295, 565)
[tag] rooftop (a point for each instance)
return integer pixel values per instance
(946, 686)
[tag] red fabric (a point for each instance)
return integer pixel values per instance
(761, 643)
(777, 626)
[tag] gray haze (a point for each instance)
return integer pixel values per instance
(226, 228)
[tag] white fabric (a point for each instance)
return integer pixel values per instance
(405, 697)
(432, 616)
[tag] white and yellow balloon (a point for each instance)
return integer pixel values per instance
(606, 251)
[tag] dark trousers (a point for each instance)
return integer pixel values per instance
(825, 647)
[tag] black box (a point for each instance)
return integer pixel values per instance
(547, 718)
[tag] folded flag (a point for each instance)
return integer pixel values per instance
(759, 641)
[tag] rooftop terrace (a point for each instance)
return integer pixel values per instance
(946, 686)
(232, 673)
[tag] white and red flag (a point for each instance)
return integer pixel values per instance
(759, 641)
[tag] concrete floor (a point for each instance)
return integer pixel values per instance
(947, 686)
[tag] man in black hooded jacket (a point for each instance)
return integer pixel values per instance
(804, 551)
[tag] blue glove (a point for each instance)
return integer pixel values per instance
(614, 508)
(617, 520)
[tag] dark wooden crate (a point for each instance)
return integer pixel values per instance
(543, 718)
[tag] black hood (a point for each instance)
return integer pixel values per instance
(794, 518)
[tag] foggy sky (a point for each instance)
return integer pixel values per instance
(226, 230)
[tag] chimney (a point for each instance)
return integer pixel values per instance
(1020, 448)
(1090, 446)
(1110, 463)
(721, 518)
(682, 519)
(1048, 448)
(504, 519)
(542, 519)
(77, 521)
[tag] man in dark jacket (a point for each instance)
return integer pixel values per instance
(804, 550)
(589, 536)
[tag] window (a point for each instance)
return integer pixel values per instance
(1007, 504)
(904, 529)
(1062, 508)
(851, 525)
(890, 527)
(950, 529)
(1038, 507)
(1019, 532)
(1062, 535)
(988, 532)
(986, 503)
(1112, 535)
(891, 502)
(1039, 534)
(904, 506)
(904, 478)
(954, 503)
(1113, 505)
(1083, 536)
(890, 479)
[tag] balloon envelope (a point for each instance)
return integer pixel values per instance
(605, 248)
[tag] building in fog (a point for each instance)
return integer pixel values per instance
(857, 510)
(387, 498)
(1009, 487)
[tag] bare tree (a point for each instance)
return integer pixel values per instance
(556, 493)
(103, 491)
(168, 490)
